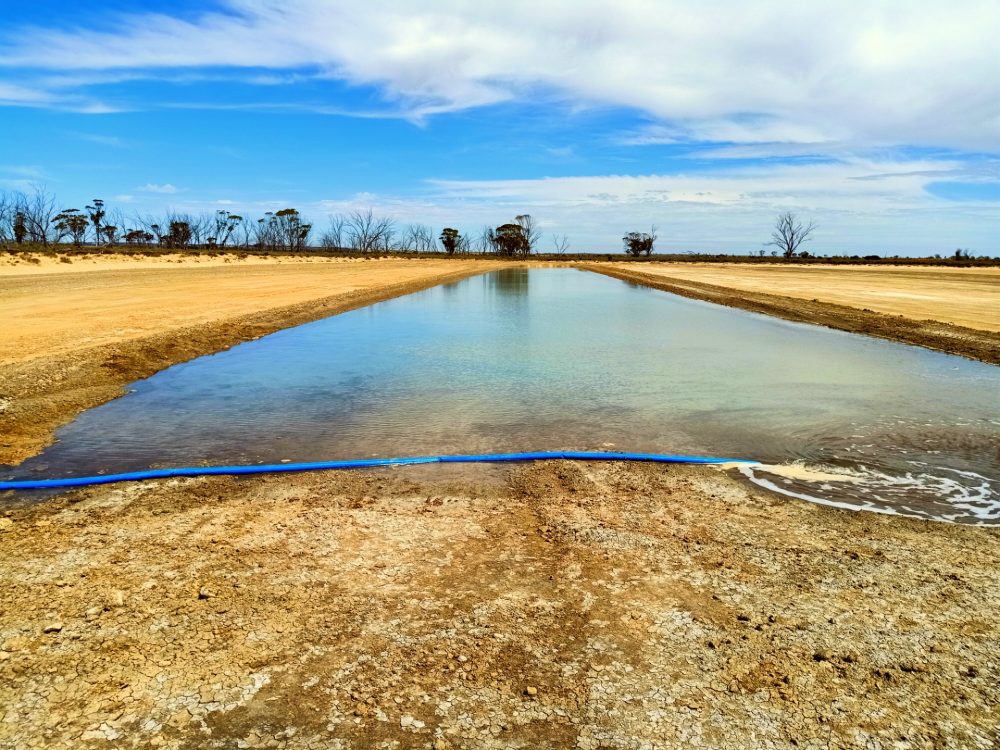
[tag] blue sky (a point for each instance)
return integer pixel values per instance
(881, 123)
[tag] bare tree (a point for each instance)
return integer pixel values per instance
(5, 218)
(27, 218)
(487, 240)
(530, 231)
(368, 233)
(789, 234)
(560, 243)
(333, 237)
(38, 212)
(418, 238)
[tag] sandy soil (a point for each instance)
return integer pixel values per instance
(563, 605)
(71, 340)
(977, 296)
(556, 605)
(968, 297)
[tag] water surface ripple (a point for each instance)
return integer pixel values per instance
(553, 359)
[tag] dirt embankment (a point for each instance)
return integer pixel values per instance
(73, 340)
(559, 605)
(974, 343)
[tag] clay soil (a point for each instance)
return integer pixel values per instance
(555, 605)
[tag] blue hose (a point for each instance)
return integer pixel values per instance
(363, 463)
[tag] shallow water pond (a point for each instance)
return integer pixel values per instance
(550, 359)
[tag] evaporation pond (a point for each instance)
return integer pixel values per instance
(551, 359)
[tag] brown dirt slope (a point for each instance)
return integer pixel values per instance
(567, 605)
(968, 297)
(973, 343)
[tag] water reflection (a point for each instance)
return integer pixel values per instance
(508, 281)
(572, 360)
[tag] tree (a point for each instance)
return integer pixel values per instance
(488, 240)
(96, 213)
(223, 226)
(418, 238)
(368, 233)
(73, 223)
(639, 243)
(179, 235)
(20, 227)
(451, 239)
(333, 238)
(511, 241)
(789, 234)
(110, 232)
(560, 243)
(529, 230)
(290, 232)
(138, 237)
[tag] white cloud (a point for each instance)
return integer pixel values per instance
(882, 72)
(861, 205)
(165, 189)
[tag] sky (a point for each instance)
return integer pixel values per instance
(880, 121)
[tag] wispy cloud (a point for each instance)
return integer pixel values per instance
(893, 71)
(111, 141)
(165, 189)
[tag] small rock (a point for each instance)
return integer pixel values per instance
(53, 627)
(93, 613)
(5, 524)
(440, 744)
(205, 593)
(531, 690)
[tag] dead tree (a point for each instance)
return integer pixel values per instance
(368, 233)
(530, 231)
(333, 238)
(789, 234)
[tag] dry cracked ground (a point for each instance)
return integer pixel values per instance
(555, 605)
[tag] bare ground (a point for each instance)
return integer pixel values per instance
(563, 605)
(586, 605)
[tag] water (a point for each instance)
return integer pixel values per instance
(552, 359)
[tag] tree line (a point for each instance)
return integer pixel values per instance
(36, 219)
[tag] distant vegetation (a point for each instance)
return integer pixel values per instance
(36, 221)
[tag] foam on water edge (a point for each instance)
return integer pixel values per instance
(970, 493)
